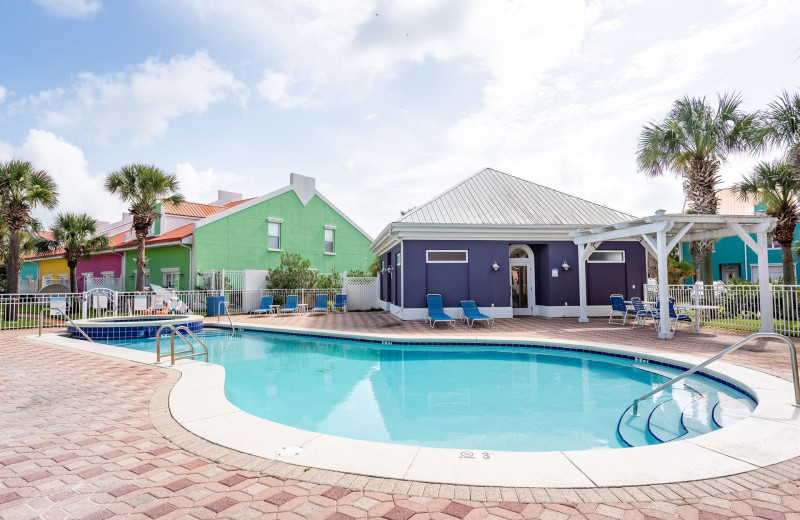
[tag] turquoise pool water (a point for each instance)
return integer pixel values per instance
(458, 396)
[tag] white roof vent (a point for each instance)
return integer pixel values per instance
(304, 187)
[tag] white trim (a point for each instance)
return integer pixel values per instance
(429, 261)
(330, 254)
(275, 250)
(170, 270)
(244, 205)
(275, 220)
(330, 227)
(590, 261)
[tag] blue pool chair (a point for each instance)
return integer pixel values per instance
(642, 312)
(340, 302)
(436, 311)
(321, 304)
(291, 304)
(265, 307)
(472, 314)
(620, 310)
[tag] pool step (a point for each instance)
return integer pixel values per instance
(730, 411)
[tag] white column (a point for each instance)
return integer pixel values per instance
(764, 291)
(663, 287)
(584, 318)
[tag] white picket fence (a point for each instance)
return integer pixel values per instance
(738, 306)
(363, 293)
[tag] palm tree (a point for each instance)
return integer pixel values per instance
(693, 142)
(143, 186)
(77, 235)
(22, 189)
(781, 122)
(775, 185)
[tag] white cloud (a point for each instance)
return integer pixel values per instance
(138, 103)
(274, 86)
(71, 8)
(3, 93)
(67, 165)
(202, 186)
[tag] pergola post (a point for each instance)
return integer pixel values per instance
(765, 294)
(664, 331)
(584, 317)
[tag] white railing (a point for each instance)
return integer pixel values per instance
(738, 306)
(28, 285)
(21, 311)
(363, 292)
(115, 283)
(219, 279)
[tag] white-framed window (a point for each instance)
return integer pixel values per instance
(274, 235)
(330, 234)
(170, 277)
(146, 276)
(446, 256)
(399, 259)
(607, 257)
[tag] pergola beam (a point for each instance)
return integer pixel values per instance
(632, 231)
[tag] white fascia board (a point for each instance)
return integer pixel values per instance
(337, 210)
(150, 246)
(249, 204)
(631, 233)
(385, 241)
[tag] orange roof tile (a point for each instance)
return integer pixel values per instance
(170, 236)
(191, 209)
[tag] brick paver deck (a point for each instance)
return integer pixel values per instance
(87, 436)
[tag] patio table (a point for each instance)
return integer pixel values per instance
(697, 310)
(303, 307)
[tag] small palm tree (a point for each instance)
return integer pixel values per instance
(143, 186)
(77, 235)
(22, 189)
(693, 142)
(775, 185)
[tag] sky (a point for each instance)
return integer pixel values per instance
(385, 103)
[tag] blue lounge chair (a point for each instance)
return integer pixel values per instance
(436, 311)
(265, 307)
(291, 304)
(471, 313)
(675, 319)
(620, 310)
(321, 304)
(340, 302)
(642, 313)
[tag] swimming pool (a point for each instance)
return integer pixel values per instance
(476, 397)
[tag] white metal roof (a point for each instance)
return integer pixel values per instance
(491, 197)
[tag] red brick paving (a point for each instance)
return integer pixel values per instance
(77, 441)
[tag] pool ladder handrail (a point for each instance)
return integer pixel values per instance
(735, 346)
(51, 309)
(227, 313)
(174, 356)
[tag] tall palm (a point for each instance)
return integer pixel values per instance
(775, 185)
(77, 235)
(22, 189)
(143, 186)
(781, 121)
(693, 142)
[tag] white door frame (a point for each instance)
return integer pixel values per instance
(528, 263)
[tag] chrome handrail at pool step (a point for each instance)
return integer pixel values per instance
(792, 354)
(227, 313)
(179, 330)
(41, 320)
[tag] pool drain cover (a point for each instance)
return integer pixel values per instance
(290, 451)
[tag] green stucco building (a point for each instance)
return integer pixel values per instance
(295, 219)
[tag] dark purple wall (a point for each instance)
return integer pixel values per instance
(455, 282)
(477, 281)
(390, 282)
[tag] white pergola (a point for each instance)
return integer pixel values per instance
(660, 233)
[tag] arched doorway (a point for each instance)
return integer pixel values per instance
(523, 295)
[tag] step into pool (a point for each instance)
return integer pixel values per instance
(464, 396)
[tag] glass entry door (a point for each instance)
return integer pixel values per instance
(520, 289)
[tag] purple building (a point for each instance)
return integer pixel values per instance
(503, 242)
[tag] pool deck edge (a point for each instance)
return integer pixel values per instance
(197, 403)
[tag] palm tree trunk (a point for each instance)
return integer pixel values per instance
(73, 281)
(707, 264)
(788, 264)
(12, 273)
(141, 260)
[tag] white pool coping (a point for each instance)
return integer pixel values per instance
(769, 436)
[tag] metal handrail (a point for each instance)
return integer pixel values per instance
(179, 331)
(227, 313)
(792, 354)
(41, 321)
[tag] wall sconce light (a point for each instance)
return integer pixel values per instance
(565, 266)
(389, 269)
(495, 266)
